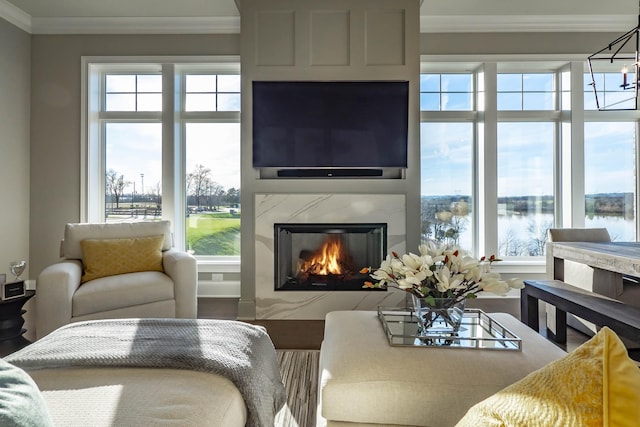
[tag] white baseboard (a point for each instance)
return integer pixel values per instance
(218, 289)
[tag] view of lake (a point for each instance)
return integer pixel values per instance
(619, 228)
(523, 221)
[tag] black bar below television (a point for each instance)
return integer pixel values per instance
(329, 173)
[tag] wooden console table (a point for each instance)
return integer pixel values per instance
(594, 266)
(615, 257)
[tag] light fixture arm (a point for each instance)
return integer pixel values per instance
(616, 46)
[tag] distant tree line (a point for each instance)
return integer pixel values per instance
(610, 204)
(202, 192)
(445, 218)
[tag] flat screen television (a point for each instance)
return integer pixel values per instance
(330, 124)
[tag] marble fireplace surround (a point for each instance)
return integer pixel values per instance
(321, 208)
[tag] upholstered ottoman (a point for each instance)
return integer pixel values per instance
(365, 381)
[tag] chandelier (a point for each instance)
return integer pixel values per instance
(621, 94)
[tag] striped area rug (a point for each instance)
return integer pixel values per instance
(299, 369)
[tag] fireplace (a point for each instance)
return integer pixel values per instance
(327, 257)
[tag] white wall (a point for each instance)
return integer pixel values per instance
(15, 53)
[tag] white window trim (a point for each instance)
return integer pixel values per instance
(92, 203)
(485, 181)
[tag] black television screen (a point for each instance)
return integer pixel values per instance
(339, 124)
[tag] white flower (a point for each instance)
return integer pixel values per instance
(412, 261)
(409, 281)
(515, 283)
(468, 262)
(444, 216)
(435, 252)
(396, 265)
(474, 274)
(499, 287)
(446, 280)
(441, 272)
(491, 276)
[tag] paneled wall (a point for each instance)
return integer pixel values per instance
(325, 40)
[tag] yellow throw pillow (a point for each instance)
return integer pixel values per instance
(108, 257)
(597, 384)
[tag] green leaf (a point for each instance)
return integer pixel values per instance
(429, 299)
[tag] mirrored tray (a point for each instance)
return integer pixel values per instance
(478, 331)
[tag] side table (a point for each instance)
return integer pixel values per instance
(11, 322)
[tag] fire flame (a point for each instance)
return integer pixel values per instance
(326, 260)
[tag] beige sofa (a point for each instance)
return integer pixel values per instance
(62, 298)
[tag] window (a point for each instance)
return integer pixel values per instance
(534, 171)
(211, 92)
(525, 187)
(447, 183)
(609, 178)
(611, 92)
(447, 158)
(132, 151)
(213, 188)
(446, 92)
(505, 203)
(526, 91)
(133, 92)
(163, 141)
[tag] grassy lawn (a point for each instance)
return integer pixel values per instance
(214, 233)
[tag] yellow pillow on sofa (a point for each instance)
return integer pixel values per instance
(108, 257)
(597, 384)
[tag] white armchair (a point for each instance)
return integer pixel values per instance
(62, 298)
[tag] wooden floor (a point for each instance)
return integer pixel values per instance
(285, 334)
(301, 334)
(308, 334)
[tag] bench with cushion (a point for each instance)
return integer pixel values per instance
(624, 319)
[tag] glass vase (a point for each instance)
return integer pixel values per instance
(444, 317)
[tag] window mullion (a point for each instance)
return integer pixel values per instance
(572, 167)
(528, 116)
(211, 116)
(637, 176)
(172, 156)
(136, 116)
(487, 165)
(448, 116)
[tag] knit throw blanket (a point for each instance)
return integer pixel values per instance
(238, 351)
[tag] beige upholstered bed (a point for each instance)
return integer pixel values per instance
(135, 397)
(156, 372)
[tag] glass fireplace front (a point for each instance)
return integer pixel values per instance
(327, 257)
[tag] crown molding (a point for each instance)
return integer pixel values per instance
(15, 16)
(146, 25)
(231, 24)
(526, 23)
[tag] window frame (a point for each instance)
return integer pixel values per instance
(173, 120)
(485, 116)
